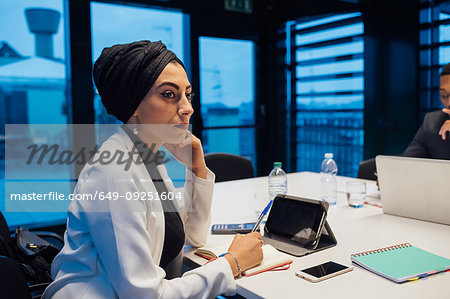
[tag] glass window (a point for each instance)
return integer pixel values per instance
(434, 51)
(325, 35)
(330, 51)
(132, 24)
(227, 96)
(325, 20)
(340, 67)
(32, 81)
(334, 102)
(329, 91)
(336, 85)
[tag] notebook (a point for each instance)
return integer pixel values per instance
(401, 262)
(273, 259)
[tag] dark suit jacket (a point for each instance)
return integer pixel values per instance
(428, 143)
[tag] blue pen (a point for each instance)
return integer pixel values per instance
(261, 216)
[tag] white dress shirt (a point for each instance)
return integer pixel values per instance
(113, 247)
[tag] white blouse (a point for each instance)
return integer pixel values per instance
(113, 248)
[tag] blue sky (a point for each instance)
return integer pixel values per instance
(115, 24)
(234, 60)
(15, 29)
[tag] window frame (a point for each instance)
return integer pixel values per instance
(293, 79)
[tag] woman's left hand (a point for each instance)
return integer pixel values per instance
(190, 153)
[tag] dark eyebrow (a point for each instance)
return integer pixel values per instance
(173, 85)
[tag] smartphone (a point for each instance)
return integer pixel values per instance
(323, 271)
(241, 228)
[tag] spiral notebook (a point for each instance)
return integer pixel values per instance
(402, 262)
(273, 259)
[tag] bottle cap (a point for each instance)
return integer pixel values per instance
(328, 155)
(277, 164)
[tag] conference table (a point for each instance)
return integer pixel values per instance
(356, 230)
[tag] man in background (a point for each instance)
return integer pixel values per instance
(432, 140)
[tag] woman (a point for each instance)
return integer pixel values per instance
(123, 248)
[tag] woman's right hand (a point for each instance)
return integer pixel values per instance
(247, 250)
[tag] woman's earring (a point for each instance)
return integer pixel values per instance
(135, 129)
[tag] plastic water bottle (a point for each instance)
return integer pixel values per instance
(328, 183)
(277, 181)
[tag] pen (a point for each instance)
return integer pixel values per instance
(261, 216)
(373, 204)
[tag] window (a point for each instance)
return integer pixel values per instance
(132, 24)
(326, 91)
(227, 96)
(32, 81)
(434, 51)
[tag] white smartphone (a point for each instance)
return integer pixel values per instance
(323, 271)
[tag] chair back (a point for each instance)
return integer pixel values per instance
(228, 167)
(5, 239)
(13, 283)
(367, 170)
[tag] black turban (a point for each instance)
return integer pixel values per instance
(125, 73)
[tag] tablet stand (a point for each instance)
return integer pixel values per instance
(326, 240)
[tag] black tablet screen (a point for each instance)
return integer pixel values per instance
(296, 220)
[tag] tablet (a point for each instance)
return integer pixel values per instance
(298, 220)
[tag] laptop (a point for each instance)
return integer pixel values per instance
(415, 187)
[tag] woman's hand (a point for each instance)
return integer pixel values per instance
(190, 153)
(198, 158)
(446, 126)
(247, 250)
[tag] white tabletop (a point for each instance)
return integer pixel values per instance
(356, 230)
